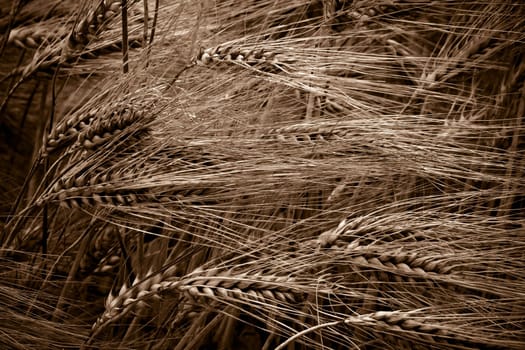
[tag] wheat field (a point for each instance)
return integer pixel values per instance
(262, 174)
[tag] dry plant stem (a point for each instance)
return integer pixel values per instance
(192, 339)
(132, 330)
(298, 335)
(224, 333)
(271, 337)
(85, 240)
(46, 166)
(16, 221)
(48, 279)
(140, 251)
(126, 267)
(153, 28)
(125, 54)
(146, 24)
(154, 24)
(26, 186)
(368, 305)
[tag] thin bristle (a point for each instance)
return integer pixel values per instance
(263, 175)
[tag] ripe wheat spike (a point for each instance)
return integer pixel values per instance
(89, 26)
(35, 36)
(260, 58)
(200, 285)
(262, 174)
(413, 326)
(90, 128)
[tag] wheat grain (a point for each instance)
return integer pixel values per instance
(101, 255)
(70, 47)
(363, 231)
(310, 133)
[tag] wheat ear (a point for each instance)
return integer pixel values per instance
(91, 25)
(70, 47)
(100, 189)
(310, 133)
(201, 284)
(100, 256)
(98, 126)
(84, 30)
(244, 56)
(414, 264)
(32, 36)
(405, 323)
(102, 130)
(65, 132)
(360, 231)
